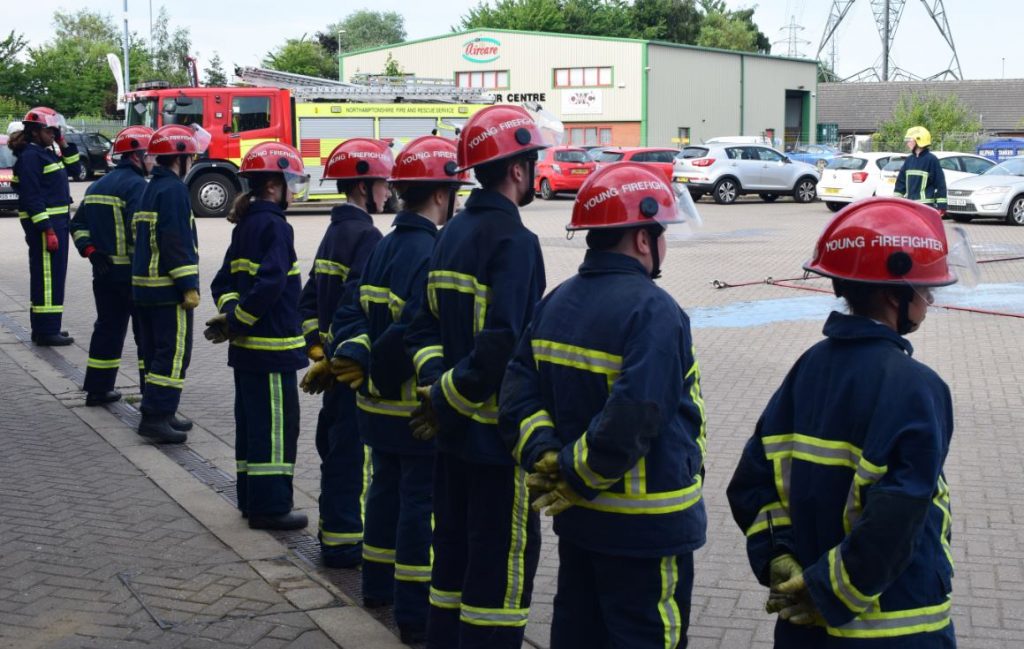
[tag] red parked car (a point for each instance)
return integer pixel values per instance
(8, 197)
(562, 169)
(660, 157)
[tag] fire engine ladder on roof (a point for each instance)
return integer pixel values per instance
(370, 89)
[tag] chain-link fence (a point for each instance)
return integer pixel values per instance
(962, 142)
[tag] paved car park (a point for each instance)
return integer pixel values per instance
(746, 338)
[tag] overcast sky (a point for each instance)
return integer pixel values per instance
(242, 32)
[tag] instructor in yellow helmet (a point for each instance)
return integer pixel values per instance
(921, 179)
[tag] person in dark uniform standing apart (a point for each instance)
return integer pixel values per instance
(370, 328)
(361, 167)
(44, 203)
(921, 178)
(102, 232)
(257, 294)
(484, 278)
(602, 404)
(840, 491)
(165, 280)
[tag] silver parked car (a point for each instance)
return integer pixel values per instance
(727, 171)
(997, 193)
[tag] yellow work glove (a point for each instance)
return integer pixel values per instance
(424, 420)
(348, 371)
(802, 610)
(315, 352)
(559, 499)
(318, 378)
(780, 570)
(190, 299)
(547, 464)
(217, 329)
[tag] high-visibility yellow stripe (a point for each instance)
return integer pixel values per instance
(380, 295)
(276, 419)
(295, 270)
(334, 539)
(103, 199)
(47, 274)
(309, 326)
(515, 573)
(668, 610)
(590, 477)
(179, 342)
(244, 316)
(663, 502)
(151, 282)
(42, 216)
(361, 339)
(504, 617)
(269, 344)
(271, 468)
(58, 210)
(378, 555)
(580, 358)
(484, 412)
(47, 309)
(463, 283)
(329, 267)
(164, 381)
(424, 355)
(779, 518)
(71, 159)
(103, 364)
(446, 599)
(892, 624)
(407, 572)
(225, 298)
(50, 168)
(183, 271)
(843, 588)
(696, 396)
(244, 266)
(527, 427)
(78, 235)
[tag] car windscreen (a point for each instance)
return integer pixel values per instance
(847, 163)
(1012, 167)
(610, 156)
(571, 156)
(692, 152)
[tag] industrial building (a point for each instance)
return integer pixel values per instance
(617, 91)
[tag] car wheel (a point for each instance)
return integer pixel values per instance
(806, 190)
(545, 190)
(84, 172)
(768, 197)
(212, 195)
(1016, 214)
(726, 191)
(962, 218)
(834, 206)
(696, 196)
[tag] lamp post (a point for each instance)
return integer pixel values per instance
(340, 32)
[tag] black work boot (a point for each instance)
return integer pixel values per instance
(289, 521)
(52, 340)
(101, 398)
(158, 428)
(412, 635)
(183, 424)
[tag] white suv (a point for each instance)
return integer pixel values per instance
(727, 171)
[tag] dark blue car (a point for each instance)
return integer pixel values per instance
(815, 154)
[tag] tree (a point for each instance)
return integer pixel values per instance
(301, 56)
(674, 21)
(730, 30)
(213, 73)
(13, 76)
(363, 29)
(946, 116)
(391, 67)
(169, 50)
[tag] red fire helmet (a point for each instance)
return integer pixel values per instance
(131, 139)
(44, 116)
(273, 157)
(173, 139)
(630, 194)
(429, 159)
(886, 241)
(496, 133)
(360, 158)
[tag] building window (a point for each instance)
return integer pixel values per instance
(489, 79)
(590, 136)
(583, 77)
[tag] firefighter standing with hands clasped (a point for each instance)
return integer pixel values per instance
(840, 491)
(484, 278)
(102, 232)
(921, 178)
(44, 201)
(361, 167)
(257, 294)
(371, 356)
(165, 279)
(602, 404)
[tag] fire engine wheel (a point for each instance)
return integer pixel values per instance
(212, 195)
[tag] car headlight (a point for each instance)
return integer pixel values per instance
(992, 191)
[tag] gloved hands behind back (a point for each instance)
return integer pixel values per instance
(424, 422)
(217, 329)
(801, 609)
(318, 378)
(101, 263)
(347, 371)
(781, 569)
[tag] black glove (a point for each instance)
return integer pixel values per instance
(101, 264)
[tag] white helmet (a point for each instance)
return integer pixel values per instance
(14, 127)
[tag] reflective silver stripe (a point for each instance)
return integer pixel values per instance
(269, 344)
(404, 572)
(651, 503)
(272, 468)
(667, 607)
(246, 266)
(227, 297)
(386, 406)
(805, 448)
(328, 267)
(493, 616)
(445, 598)
(843, 588)
(528, 427)
(889, 624)
(589, 360)
(309, 326)
(779, 515)
(378, 555)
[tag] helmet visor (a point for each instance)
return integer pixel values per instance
(297, 184)
(960, 258)
(202, 137)
(687, 219)
(551, 128)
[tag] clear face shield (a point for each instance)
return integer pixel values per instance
(298, 185)
(202, 137)
(961, 263)
(685, 221)
(551, 128)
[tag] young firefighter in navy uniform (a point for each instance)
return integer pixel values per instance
(370, 328)
(102, 232)
(361, 167)
(840, 491)
(484, 278)
(257, 293)
(44, 201)
(602, 402)
(921, 177)
(165, 280)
